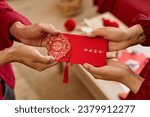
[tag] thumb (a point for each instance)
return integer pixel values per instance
(96, 70)
(46, 59)
(91, 68)
(50, 29)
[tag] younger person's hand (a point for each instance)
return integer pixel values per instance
(116, 71)
(38, 34)
(119, 39)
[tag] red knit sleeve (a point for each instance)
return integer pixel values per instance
(144, 21)
(7, 17)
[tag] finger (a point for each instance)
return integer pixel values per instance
(116, 46)
(45, 59)
(53, 64)
(48, 47)
(99, 32)
(116, 63)
(48, 28)
(41, 66)
(92, 69)
(46, 41)
(110, 55)
(45, 66)
(97, 76)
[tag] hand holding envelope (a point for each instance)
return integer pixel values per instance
(78, 49)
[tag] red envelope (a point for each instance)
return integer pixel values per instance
(79, 49)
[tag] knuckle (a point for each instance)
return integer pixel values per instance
(39, 24)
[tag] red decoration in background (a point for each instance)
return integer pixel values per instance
(107, 22)
(70, 24)
(136, 61)
(95, 2)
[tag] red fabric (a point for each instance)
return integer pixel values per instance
(144, 91)
(125, 10)
(95, 2)
(105, 5)
(86, 50)
(7, 17)
(1, 96)
(144, 21)
(107, 22)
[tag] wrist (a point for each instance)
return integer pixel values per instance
(16, 30)
(7, 56)
(136, 35)
(132, 81)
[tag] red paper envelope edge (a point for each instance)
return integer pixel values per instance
(86, 50)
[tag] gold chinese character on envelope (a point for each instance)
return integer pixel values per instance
(59, 46)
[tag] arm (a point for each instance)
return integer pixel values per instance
(8, 17)
(144, 21)
(6, 56)
(117, 71)
(15, 26)
(26, 55)
(120, 39)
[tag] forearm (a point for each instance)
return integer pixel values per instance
(144, 21)
(16, 30)
(6, 56)
(133, 82)
(136, 35)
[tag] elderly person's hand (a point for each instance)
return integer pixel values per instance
(38, 34)
(28, 56)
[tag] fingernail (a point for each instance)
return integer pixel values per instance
(52, 59)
